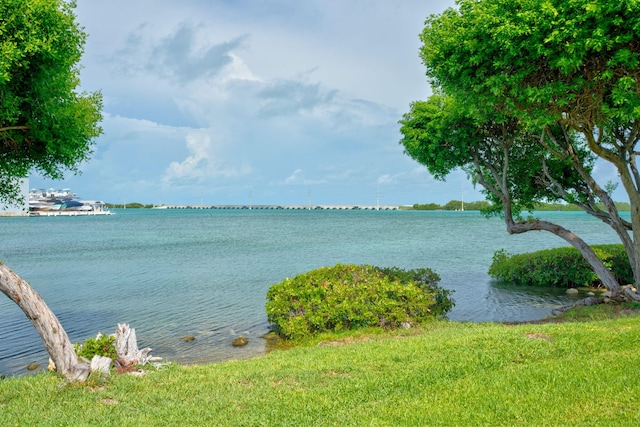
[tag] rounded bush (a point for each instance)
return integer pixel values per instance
(562, 267)
(353, 296)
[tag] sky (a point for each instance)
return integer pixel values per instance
(268, 102)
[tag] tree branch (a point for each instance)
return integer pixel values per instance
(8, 128)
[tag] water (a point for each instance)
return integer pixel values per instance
(174, 273)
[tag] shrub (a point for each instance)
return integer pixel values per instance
(353, 296)
(427, 280)
(562, 267)
(102, 345)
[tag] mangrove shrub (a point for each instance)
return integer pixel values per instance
(561, 267)
(351, 296)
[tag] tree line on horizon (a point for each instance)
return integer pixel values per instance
(483, 205)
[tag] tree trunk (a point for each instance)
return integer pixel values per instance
(587, 252)
(53, 336)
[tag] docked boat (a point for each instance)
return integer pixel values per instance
(50, 202)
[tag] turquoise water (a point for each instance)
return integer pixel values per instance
(173, 273)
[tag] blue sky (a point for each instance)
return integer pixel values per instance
(261, 101)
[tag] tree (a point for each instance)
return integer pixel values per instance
(566, 69)
(502, 156)
(45, 125)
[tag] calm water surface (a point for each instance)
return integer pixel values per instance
(173, 273)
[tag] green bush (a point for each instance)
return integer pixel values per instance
(561, 267)
(427, 280)
(102, 345)
(353, 296)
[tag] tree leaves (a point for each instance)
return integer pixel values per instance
(45, 124)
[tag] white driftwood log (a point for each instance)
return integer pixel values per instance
(101, 364)
(127, 347)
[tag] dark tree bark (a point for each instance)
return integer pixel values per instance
(53, 336)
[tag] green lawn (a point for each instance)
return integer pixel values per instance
(448, 373)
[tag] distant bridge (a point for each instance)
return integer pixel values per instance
(286, 207)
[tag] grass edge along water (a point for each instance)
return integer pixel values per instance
(446, 373)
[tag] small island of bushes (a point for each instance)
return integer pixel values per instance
(560, 267)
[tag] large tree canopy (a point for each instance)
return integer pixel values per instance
(45, 124)
(568, 73)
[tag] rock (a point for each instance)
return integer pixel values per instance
(188, 338)
(591, 294)
(607, 294)
(572, 291)
(239, 342)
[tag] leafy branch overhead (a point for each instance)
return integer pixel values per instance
(45, 123)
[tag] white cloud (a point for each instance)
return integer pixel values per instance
(295, 178)
(227, 96)
(204, 164)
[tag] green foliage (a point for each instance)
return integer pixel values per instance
(427, 280)
(527, 95)
(483, 205)
(561, 267)
(102, 345)
(426, 207)
(351, 297)
(44, 123)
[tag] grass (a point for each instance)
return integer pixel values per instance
(447, 373)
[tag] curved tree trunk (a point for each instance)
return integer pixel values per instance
(501, 190)
(587, 252)
(53, 336)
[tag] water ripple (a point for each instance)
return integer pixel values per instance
(172, 273)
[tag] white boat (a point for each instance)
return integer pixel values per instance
(63, 202)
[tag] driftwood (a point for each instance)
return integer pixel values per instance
(63, 357)
(101, 364)
(53, 336)
(127, 348)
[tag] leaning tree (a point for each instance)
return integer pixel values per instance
(569, 70)
(505, 158)
(46, 125)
